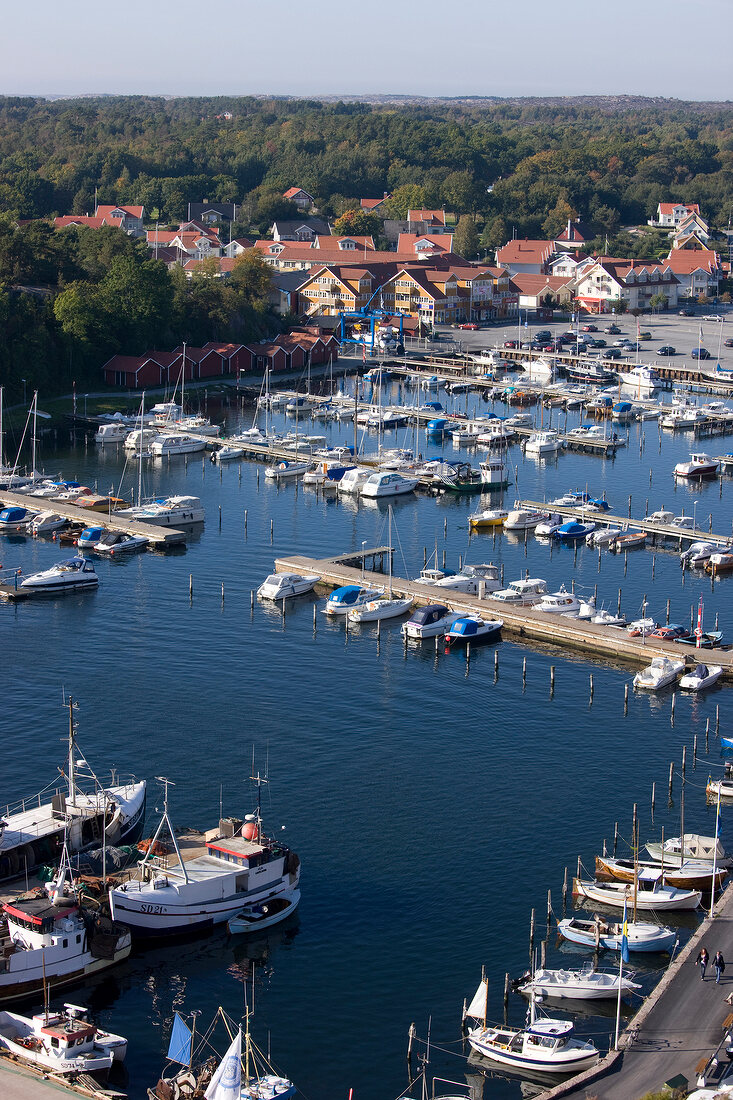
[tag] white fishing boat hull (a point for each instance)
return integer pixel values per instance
(641, 936)
(574, 1060)
(619, 894)
(577, 985)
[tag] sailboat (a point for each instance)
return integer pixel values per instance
(244, 1073)
(388, 608)
(544, 1044)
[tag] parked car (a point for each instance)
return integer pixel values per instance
(543, 334)
(666, 349)
(700, 353)
(590, 328)
(612, 353)
(613, 330)
(687, 312)
(469, 325)
(728, 343)
(510, 343)
(599, 343)
(645, 335)
(713, 317)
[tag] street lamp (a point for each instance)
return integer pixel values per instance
(694, 514)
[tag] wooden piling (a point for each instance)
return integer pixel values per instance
(552, 679)
(190, 586)
(671, 776)
(272, 530)
(668, 604)
(618, 606)
(694, 752)
(252, 599)
(591, 687)
(684, 758)
(496, 663)
(245, 521)
(565, 889)
(707, 734)
(654, 793)
(717, 721)
(626, 699)
(654, 565)
(445, 527)
(524, 670)
(220, 517)
(615, 838)
(315, 619)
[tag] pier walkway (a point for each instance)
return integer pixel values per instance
(601, 642)
(607, 519)
(160, 537)
(20, 1083)
(678, 1028)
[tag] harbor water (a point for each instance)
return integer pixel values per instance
(433, 801)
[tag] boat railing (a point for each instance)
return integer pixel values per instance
(126, 782)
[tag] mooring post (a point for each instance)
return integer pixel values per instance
(671, 776)
(618, 606)
(668, 606)
(496, 663)
(591, 687)
(615, 838)
(190, 586)
(684, 761)
(626, 699)
(565, 890)
(694, 752)
(654, 798)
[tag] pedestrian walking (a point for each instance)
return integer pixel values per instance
(719, 964)
(702, 961)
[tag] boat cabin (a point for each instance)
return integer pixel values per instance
(426, 616)
(466, 628)
(345, 596)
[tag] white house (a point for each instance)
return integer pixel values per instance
(636, 281)
(697, 271)
(673, 213)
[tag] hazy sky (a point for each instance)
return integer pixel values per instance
(473, 47)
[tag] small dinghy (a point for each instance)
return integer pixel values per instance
(586, 984)
(633, 540)
(701, 677)
(597, 933)
(263, 914)
(387, 608)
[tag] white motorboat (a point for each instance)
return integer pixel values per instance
(71, 574)
(489, 517)
(16, 519)
(523, 519)
(140, 439)
(643, 380)
(546, 528)
(680, 419)
(468, 433)
(167, 512)
(264, 914)
(619, 894)
(519, 420)
(227, 453)
(640, 935)
(540, 370)
(587, 608)
(545, 1045)
(388, 484)
(112, 433)
(607, 618)
(704, 849)
(387, 608)
(543, 443)
(522, 593)
(181, 894)
(198, 424)
(429, 621)
(661, 516)
(497, 434)
(47, 522)
(165, 413)
(701, 677)
(698, 553)
(586, 984)
(642, 628)
(476, 580)
(559, 603)
(117, 542)
(659, 674)
(473, 630)
(282, 586)
(175, 444)
(603, 536)
(285, 470)
(349, 596)
(700, 465)
(60, 1042)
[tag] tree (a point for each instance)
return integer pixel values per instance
(252, 276)
(357, 223)
(465, 238)
(409, 196)
(495, 233)
(658, 301)
(618, 305)
(558, 218)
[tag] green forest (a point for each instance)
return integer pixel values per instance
(518, 166)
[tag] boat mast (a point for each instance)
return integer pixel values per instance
(682, 822)
(140, 449)
(72, 733)
(389, 589)
(1, 429)
(183, 379)
(33, 441)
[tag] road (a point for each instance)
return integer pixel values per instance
(681, 1025)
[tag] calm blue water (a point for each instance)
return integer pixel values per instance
(432, 804)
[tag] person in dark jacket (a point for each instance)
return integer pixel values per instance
(702, 961)
(719, 964)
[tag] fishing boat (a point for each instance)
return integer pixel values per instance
(630, 540)
(701, 677)
(282, 586)
(176, 444)
(559, 603)
(597, 933)
(52, 938)
(244, 1073)
(117, 542)
(493, 474)
(458, 477)
(261, 915)
(700, 465)
(522, 593)
(662, 672)
(61, 1042)
(236, 865)
(473, 630)
(523, 519)
(489, 517)
(33, 830)
(545, 1044)
(348, 596)
(703, 849)
(70, 574)
(167, 512)
(689, 875)
(283, 471)
(388, 484)
(585, 984)
(429, 621)
(45, 523)
(698, 553)
(655, 897)
(573, 531)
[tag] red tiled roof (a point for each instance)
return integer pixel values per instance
(78, 219)
(518, 252)
(669, 207)
(528, 282)
(131, 211)
(684, 262)
(408, 242)
(370, 204)
(292, 191)
(436, 216)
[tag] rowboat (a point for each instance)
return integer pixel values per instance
(630, 541)
(619, 894)
(689, 876)
(597, 933)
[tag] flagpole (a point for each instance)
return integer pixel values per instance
(715, 855)
(623, 957)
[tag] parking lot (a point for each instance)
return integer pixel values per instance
(667, 329)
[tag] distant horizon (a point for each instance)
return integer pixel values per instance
(500, 51)
(366, 96)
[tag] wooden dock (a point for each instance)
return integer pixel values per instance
(159, 537)
(607, 519)
(601, 642)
